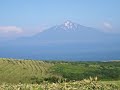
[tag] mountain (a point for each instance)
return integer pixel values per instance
(73, 32)
(68, 41)
(69, 31)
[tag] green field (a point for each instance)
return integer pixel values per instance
(106, 71)
(22, 71)
(33, 73)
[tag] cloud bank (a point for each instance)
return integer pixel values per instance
(10, 29)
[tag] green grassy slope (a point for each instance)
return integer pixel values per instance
(33, 71)
(80, 70)
(15, 71)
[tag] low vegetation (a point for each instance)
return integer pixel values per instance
(90, 84)
(23, 71)
(107, 71)
(54, 75)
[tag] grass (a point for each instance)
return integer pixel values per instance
(107, 71)
(86, 84)
(54, 75)
(111, 82)
(15, 71)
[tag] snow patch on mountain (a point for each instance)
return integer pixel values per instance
(69, 25)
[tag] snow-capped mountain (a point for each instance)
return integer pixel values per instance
(69, 31)
(68, 25)
(68, 41)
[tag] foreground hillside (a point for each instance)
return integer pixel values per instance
(86, 84)
(58, 75)
(24, 71)
(34, 71)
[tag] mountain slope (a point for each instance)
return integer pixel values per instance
(69, 32)
(16, 71)
(73, 32)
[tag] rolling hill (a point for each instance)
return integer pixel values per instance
(33, 71)
(24, 71)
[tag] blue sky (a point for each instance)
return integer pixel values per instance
(18, 17)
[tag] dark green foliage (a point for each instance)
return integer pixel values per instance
(52, 79)
(36, 80)
(81, 70)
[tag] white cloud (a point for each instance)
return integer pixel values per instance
(107, 25)
(10, 29)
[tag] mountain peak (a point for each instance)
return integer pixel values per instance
(68, 24)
